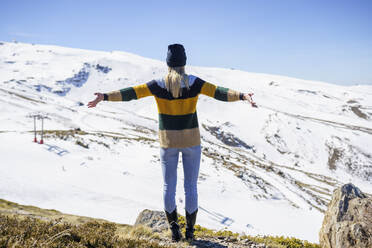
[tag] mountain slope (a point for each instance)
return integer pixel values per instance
(264, 171)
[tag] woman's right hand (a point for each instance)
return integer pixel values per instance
(99, 98)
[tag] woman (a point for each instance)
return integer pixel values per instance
(176, 96)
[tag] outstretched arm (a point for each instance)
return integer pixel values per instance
(126, 94)
(224, 94)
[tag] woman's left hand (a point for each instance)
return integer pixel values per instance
(248, 97)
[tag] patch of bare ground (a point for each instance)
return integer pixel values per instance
(331, 123)
(22, 96)
(356, 110)
(78, 136)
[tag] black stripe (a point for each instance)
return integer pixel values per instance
(241, 96)
(178, 122)
(128, 94)
(160, 92)
(221, 93)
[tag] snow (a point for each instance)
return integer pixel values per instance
(259, 188)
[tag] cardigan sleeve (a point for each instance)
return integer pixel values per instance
(128, 94)
(220, 93)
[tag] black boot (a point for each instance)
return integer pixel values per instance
(190, 222)
(173, 224)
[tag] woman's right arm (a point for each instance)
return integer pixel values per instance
(99, 97)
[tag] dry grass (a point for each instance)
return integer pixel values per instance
(29, 226)
(30, 232)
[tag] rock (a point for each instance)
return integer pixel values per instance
(348, 220)
(156, 220)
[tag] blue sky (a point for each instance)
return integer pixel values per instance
(328, 40)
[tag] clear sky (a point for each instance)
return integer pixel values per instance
(326, 40)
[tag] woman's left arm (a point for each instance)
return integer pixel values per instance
(224, 94)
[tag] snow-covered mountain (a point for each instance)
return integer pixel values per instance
(269, 170)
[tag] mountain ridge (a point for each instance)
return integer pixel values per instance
(306, 138)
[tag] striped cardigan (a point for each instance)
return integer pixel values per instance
(178, 121)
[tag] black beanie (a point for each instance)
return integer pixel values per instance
(176, 55)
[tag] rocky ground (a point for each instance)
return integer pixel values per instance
(142, 234)
(347, 223)
(348, 220)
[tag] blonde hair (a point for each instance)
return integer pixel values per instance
(173, 80)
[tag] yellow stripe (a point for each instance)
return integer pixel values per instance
(142, 91)
(233, 95)
(114, 96)
(177, 107)
(208, 89)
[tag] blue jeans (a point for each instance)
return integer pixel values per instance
(191, 164)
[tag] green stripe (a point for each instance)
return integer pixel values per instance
(128, 94)
(221, 93)
(178, 122)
